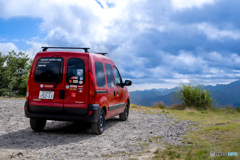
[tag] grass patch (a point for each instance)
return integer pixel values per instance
(166, 154)
(212, 130)
(217, 130)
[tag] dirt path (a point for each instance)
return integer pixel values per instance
(69, 140)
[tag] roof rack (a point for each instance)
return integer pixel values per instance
(102, 53)
(85, 49)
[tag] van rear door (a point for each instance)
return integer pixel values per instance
(47, 83)
(77, 85)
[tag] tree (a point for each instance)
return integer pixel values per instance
(2, 69)
(14, 75)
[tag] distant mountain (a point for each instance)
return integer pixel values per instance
(166, 99)
(224, 94)
(149, 97)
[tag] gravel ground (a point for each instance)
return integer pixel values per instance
(73, 140)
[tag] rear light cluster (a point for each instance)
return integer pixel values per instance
(27, 94)
(91, 89)
(29, 80)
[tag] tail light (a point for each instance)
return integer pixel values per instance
(91, 89)
(27, 93)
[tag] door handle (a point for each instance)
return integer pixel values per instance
(61, 94)
(114, 93)
(117, 91)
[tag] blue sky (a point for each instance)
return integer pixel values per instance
(156, 44)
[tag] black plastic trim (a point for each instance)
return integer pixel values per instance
(117, 106)
(64, 117)
(101, 91)
(45, 109)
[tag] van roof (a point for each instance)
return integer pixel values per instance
(97, 55)
(84, 48)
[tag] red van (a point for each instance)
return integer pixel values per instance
(72, 86)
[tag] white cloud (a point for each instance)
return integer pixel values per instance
(215, 34)
(182, 4)
(7, 47)
(133, 33)
(34, 49)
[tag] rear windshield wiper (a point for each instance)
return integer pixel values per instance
(58, 78)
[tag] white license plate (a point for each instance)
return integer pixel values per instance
(46, 94)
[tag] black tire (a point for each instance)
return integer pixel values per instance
(124, 115)
(37, 124)
(98, 127)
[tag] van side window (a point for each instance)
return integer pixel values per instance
(118, 77)
(75, 71)
(49, 70)
(110, 77)
(100, 76)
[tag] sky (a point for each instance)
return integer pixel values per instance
(155, 44)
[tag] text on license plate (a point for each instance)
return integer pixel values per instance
(46, 94)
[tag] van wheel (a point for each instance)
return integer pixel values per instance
(98, 127)
(37, 124)
(124, 115)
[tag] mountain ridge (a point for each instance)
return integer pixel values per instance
(224, 94)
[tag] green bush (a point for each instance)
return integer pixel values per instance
(194, 96)
(238, 108)
(14, 70)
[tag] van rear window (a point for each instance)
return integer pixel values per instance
(75, 71)
(48, 70)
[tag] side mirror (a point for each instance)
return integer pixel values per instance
(127, 83)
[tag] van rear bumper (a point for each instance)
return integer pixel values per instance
(95, 108)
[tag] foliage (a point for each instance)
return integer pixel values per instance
(14, 70)
(159, 105)
(238, 108)
(194, 96)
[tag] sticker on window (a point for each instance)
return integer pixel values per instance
(79, 72)
(75, 81)
(80, 82)
(42, 65)
(80, 78)
(74, 77)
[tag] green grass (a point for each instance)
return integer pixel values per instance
(215, 130)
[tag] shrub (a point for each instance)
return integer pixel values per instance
(194, 96)
(238, 108)
(159, 105)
